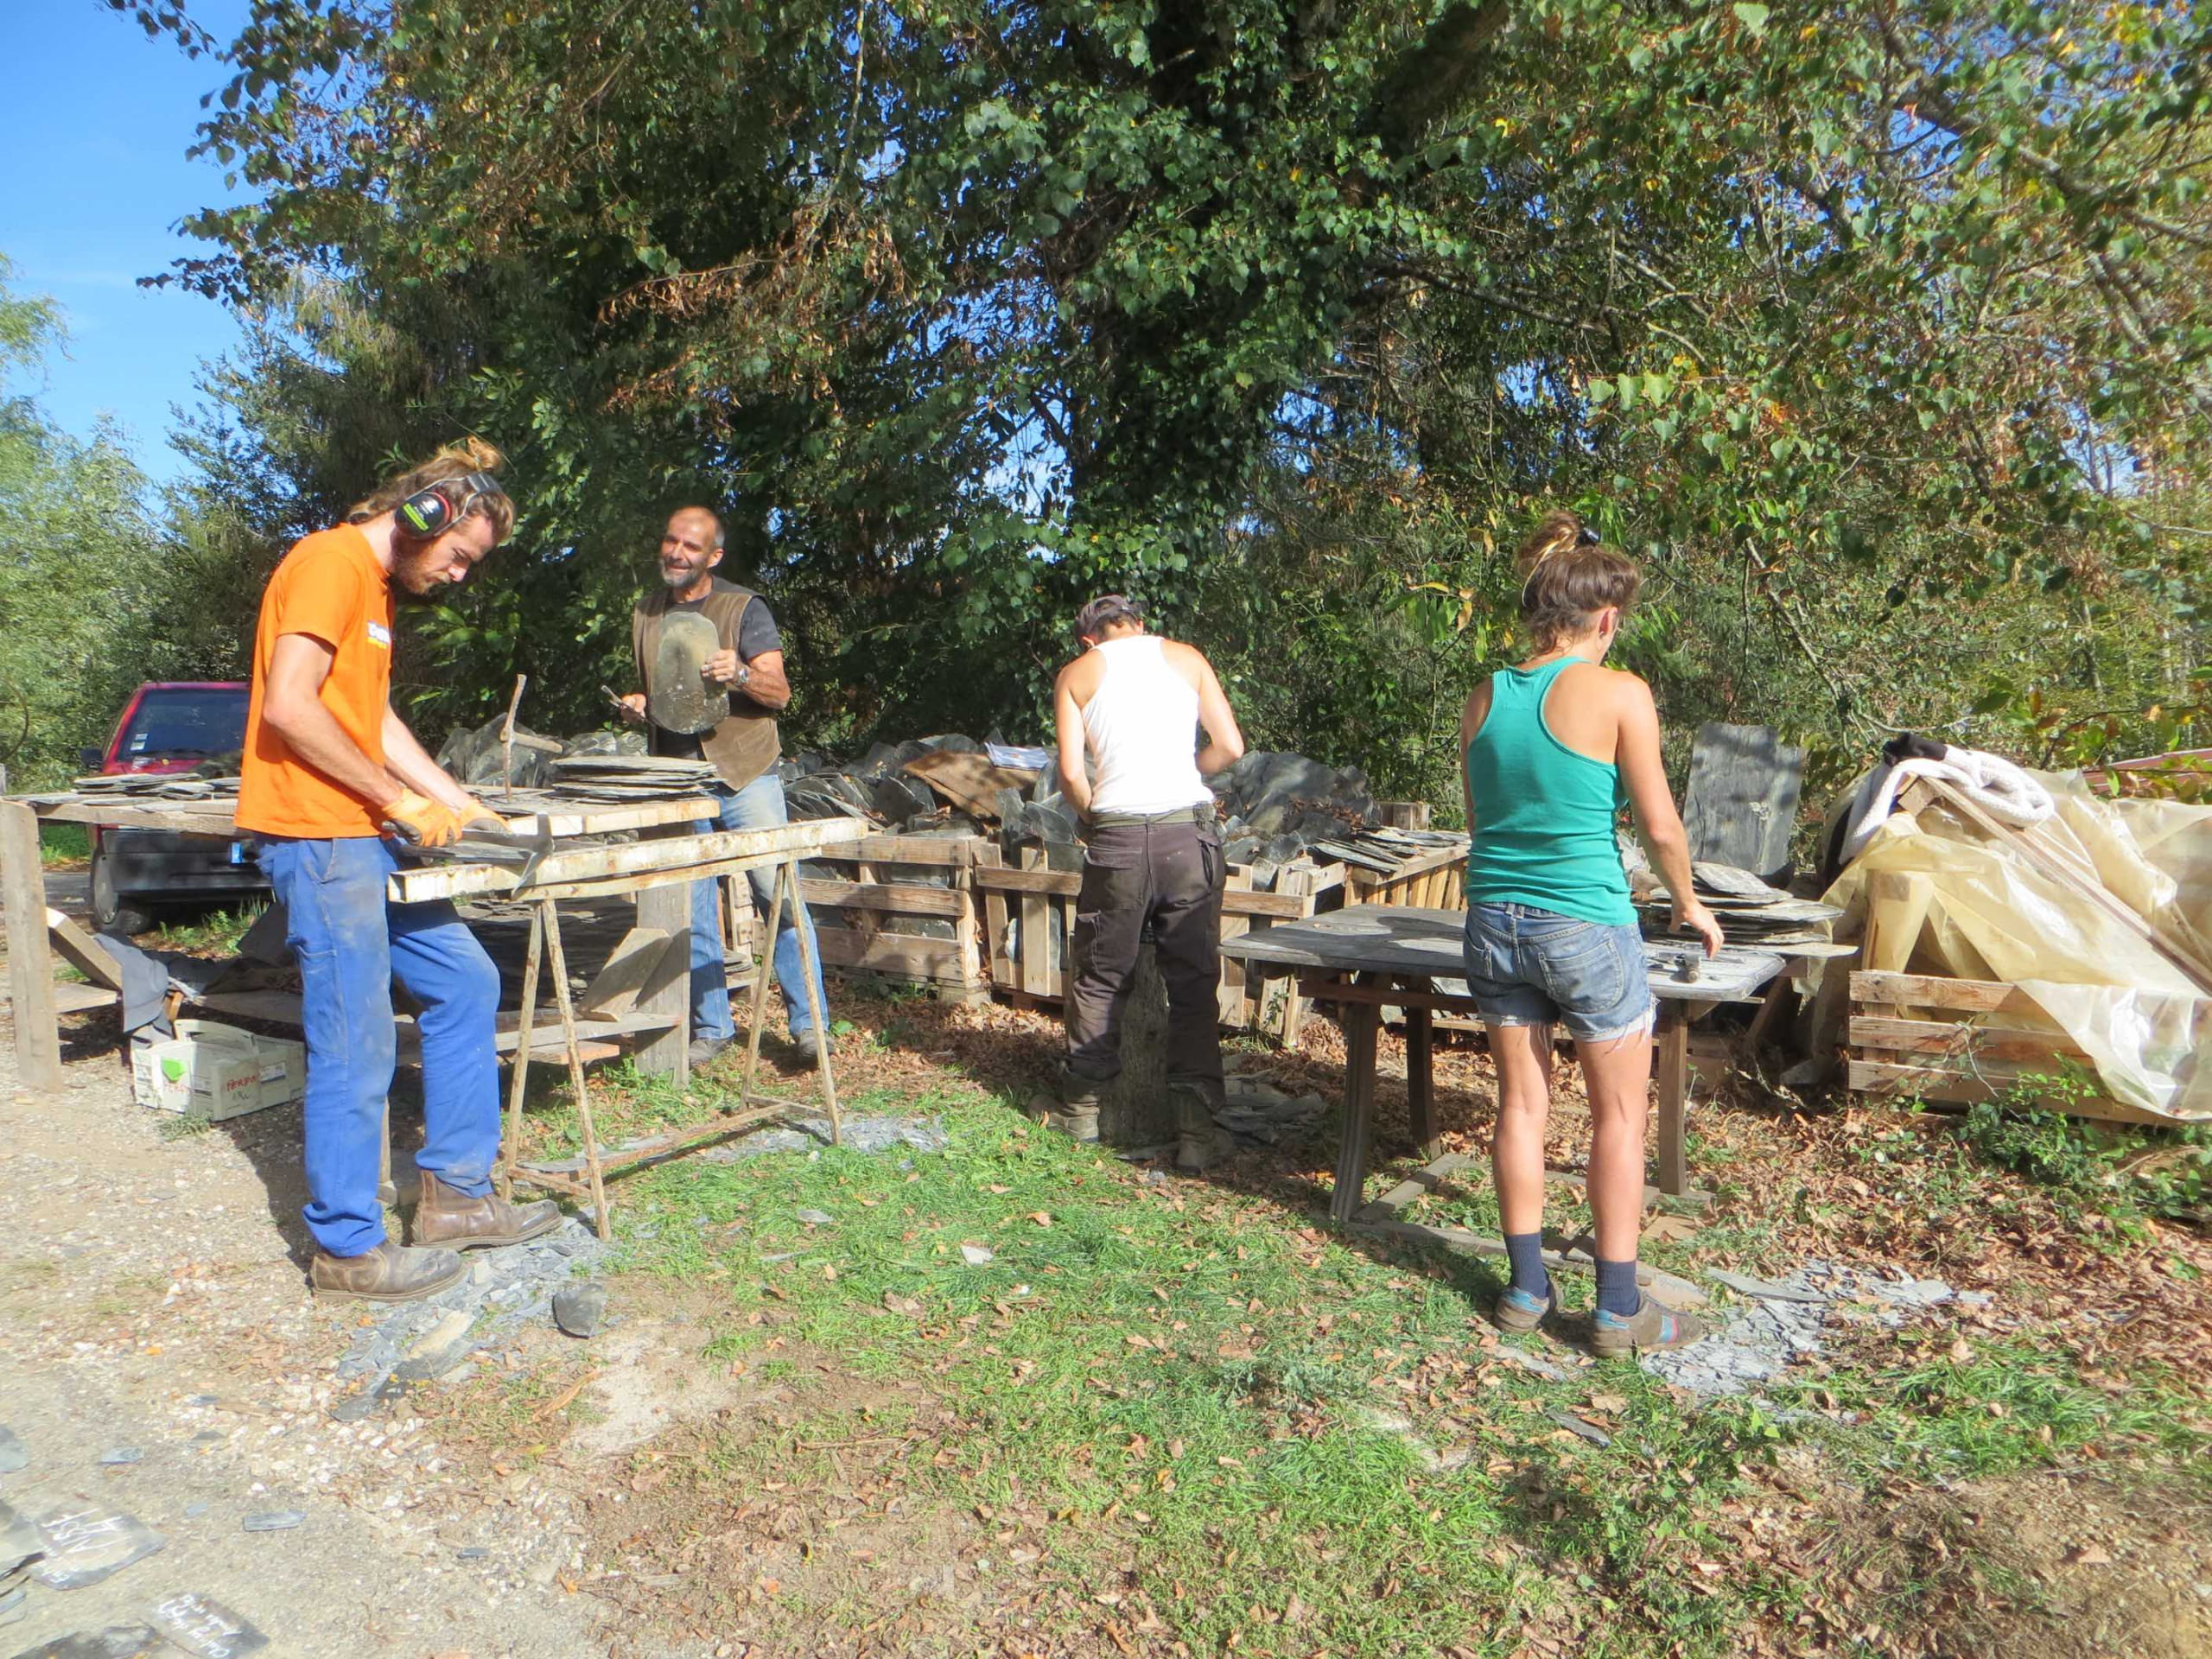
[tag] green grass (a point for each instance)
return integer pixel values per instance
(1196, 1387)
(217, 933)
(63, 846)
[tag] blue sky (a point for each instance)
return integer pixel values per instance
(95, 126)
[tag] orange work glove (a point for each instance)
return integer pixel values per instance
(477, 816)
(418, 819)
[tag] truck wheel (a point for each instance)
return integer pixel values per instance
(112, 911)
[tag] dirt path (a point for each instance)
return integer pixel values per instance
(153, 1303)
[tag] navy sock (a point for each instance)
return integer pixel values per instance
(1526, 1252)
(1617, 1291)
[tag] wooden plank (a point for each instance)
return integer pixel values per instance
(1421, 1081)
(969, 781)
(1029, 878)
(1932, 1036)
(628, 866)
(1233, 1006)
(957, 852)
(185, 817)
(1362, 1024)
(1740, 803)
(283, 1008)
(1931, 991)
(83, 951)
(1428, 1180)
(31, 958)
(889, 953)
(606, 817)
(1673, 1036)
(884, 896)
(82, 999)
(1883, 1078)
(624, 975)
(1038, 978)
(668, 911)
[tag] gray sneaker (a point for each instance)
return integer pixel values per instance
(806, 1048)
(703, 1050)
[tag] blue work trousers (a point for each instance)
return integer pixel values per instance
(758, 805)
(350, 944)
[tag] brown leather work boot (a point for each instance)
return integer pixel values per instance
(389, 1273)
(445, 1216)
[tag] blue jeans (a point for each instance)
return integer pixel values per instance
(349, 944)
(1532, 967)
(758, 805)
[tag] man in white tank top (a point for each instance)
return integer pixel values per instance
(1129, 712)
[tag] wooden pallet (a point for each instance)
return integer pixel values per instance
(1435, 881)
(879, 881)
(1957, 1042)
(1029, 921)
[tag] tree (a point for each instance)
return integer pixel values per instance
(88, 595)
(966, 310)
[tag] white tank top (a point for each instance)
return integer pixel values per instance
(1142, 724)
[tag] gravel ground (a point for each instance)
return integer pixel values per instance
(163, 1361)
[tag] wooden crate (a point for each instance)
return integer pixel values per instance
(1961, 1041)
(1435, 881)
(1029, 924)
(880, 881)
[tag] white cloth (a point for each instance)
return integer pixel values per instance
(2003, 791)
(1142, 728)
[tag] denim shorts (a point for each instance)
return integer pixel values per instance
(1531, 967)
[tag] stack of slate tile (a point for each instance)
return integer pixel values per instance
(623, 777)
(1750, 912)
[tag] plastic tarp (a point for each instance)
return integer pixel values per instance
(1997, 916)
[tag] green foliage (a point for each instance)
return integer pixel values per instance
(1877, 337)
(2122, 1171)
(92, 600)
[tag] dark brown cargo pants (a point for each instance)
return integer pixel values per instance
(1166, 871)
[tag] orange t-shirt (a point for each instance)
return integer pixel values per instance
(331, 586)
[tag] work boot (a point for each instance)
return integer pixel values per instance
(389, 1273)
(445, 1216)
(703, 1051)
(1203, 1143)
(806, 1048)
(1075, 1114)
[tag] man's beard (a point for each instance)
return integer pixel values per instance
(410, 571)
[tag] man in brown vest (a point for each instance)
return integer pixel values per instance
(744, 748)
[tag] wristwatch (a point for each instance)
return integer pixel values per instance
(744, 673)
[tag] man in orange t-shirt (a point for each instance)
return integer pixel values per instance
(328, 767)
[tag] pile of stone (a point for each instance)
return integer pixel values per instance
(417, 1341)
(878, 789)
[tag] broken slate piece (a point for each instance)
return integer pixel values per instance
(816, 1217)
(975, 1255)
(442, 1347)
(122, 1454)
(581, 1310)
(203, 1625)
(274, 1520)
(116, 1642)
(14, 1454)
(86, 1542)
(12, 1604)
(1745, 1285)
(1588, 1431)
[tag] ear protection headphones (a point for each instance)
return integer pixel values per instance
(439, 508)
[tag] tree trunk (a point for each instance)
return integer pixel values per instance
(1136, 1110)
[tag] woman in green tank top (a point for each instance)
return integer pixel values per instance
(1554, 748)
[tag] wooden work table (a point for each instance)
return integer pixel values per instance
(1366, 957)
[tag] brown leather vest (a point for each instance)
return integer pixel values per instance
(745, 745)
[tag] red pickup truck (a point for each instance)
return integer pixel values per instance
(169, 726)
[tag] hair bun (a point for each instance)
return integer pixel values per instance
(1557, 532)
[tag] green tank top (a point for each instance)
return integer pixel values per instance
(1544, 814)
